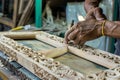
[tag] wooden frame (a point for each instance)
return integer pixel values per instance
(94, 55)
(40, 65)
(8, 21)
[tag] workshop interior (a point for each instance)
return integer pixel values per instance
(33, 35)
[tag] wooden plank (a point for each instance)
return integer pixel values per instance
(15, 12)
(21, 5)
(29, 15)
(21, 35)
(52, 53)
(99, 60)
(43, 37)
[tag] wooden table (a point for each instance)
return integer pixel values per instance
(75, 62)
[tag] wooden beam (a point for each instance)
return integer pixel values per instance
(21, 5)
(21, 35)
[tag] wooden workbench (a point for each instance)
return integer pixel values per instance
(76, 63)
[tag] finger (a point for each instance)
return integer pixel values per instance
(73, 34)
(99, 14)
(77, 40)
(82, 43)
(67, 33)
(81, 40)
(90, 15)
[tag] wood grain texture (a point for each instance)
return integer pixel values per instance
(20, 35)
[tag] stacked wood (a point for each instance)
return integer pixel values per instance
(25, 17)
(22, 11)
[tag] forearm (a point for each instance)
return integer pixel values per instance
(112, 29)
(90, 4)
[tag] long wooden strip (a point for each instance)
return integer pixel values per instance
(15, 12)
(49, 41)
(21, 5)
(96, 59)
(20, 35)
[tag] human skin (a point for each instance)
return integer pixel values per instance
(91, 28)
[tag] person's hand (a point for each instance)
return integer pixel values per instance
(96, 13)
(83, 31)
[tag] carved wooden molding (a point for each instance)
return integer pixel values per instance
(42, 66)
(37, 63)
(95, 55)
(111, 74)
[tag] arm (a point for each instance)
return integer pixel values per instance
(93, 10)
(112, 29)
(92, 29)
(91, 4)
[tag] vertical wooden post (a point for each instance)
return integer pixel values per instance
(38, 13)
(15, 12)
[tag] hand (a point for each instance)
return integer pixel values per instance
(83, 31)
(96, 13)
